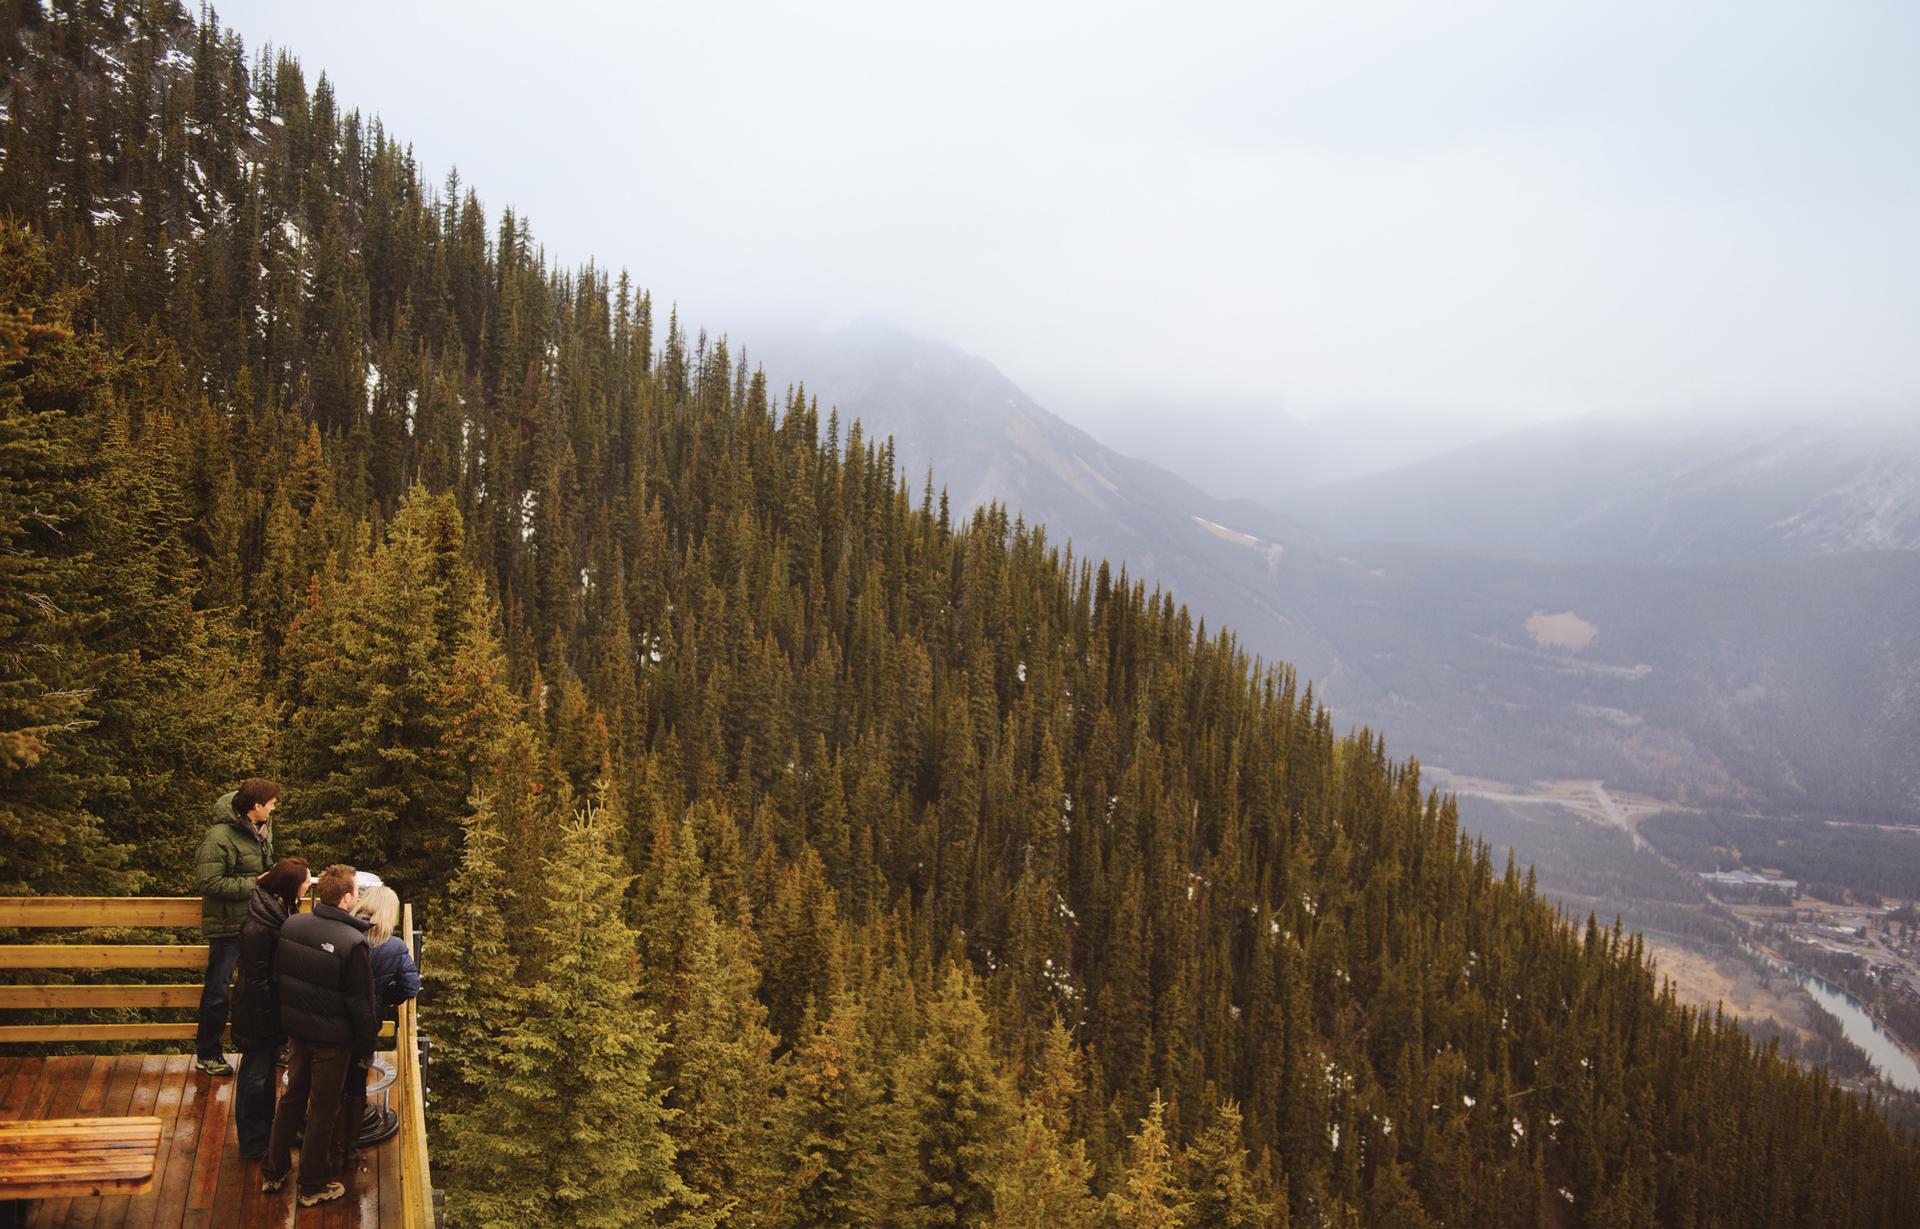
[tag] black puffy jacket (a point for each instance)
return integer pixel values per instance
(324, 973)
(256, 1007)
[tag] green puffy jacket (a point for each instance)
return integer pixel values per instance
(231, 857)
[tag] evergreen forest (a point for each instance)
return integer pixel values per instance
(794, 848)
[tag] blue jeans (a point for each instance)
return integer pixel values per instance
(253, 1101)
(216, 992)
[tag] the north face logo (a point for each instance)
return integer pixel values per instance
(328, 946)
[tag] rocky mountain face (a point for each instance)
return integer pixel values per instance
(1647, 490)
(1710, 631)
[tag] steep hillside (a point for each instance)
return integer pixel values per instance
(1787, 685)
(795, 851)
(957, 415)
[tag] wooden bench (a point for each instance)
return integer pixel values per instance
(59, 1158)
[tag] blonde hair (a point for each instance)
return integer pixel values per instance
(380, 906)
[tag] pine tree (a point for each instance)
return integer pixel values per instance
(1046, 1181)
(400, 694)
(831, 1146)
(801, 964)
(1217, 1183)
(179, 710)
(716, 1073)
(473, 986)
(957, 1109)
(53, 841)
(1148, 1194)
(571, 1131)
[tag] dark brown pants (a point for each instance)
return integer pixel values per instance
(353, 1112)
(311, 1104)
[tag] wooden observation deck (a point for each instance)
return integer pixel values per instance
(199, 1179)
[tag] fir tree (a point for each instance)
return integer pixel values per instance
(1217, 1182)
(716, 1072)
(957, 1109)
(54, 842)
(472, 985)
(1046, 1180)
(399, 697)
(802, 964)
(1148, 1194)
(831, 1146)
(571, 1131)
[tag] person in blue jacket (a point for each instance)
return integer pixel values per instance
(395, 980)
(395, 977)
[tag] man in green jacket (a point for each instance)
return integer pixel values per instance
(236, 850)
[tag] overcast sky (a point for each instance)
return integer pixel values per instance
(1519, 211)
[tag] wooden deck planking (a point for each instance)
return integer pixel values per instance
(200, 1180)
(362, 1204)
(118, 1101)
(95, 1090)
(223, 1210)
(390, 1193)
(61, 1085)
(146, 1101)
(16, 1087)
(253, 1202)
(205, 1172)
(177, 1095)
(39, 1104)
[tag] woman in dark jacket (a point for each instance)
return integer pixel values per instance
(256, 1009)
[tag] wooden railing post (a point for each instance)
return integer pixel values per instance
(416, 1179)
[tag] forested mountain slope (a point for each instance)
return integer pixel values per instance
(1789, 685)
(795, 854)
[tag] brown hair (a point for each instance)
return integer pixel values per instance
(335, 882)
(252, 792)
(284, 879)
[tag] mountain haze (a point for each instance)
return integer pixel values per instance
(798, 850)
(985, 440)
(1686, 489)
(1788, 685)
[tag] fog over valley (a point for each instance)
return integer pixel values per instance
(1539, 383)
(769, 615)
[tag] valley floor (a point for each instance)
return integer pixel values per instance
(1709, 979)
(1719, 953)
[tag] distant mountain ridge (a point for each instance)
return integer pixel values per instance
(886, 873)
(1793, 683)
(986, 439)
(1647, 490)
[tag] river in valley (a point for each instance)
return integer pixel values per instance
(1895, 1063)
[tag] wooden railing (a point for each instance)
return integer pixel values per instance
(179, 913)
(87, 912)
(416, 1178)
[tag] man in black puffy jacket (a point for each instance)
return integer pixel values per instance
(324, 973)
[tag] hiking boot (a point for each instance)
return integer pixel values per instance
(331, 1191)
(213, 1066)
(269, 1184)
